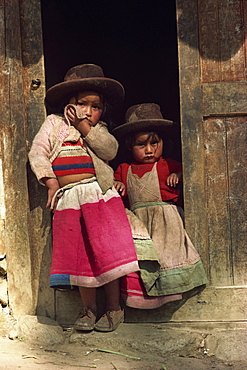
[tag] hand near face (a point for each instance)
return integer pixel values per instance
(86, 112)
(79, 121)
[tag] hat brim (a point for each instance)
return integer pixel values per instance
(161, 125)
(112, 90)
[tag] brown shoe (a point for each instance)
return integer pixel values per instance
(110, 321)
(86, 320)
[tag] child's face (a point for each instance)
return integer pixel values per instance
(146, 148)
(91, 104)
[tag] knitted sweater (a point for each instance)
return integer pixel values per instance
(101, 145)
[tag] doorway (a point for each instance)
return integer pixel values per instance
(134, 42)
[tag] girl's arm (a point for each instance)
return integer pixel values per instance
(39, 159)
(72, 112)
(98, 138)
(53, 186)
(104, 145)
(175, 170)
(40, 150)
(120, 177)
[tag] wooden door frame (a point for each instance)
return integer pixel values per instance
(25, 228)
(198, 102)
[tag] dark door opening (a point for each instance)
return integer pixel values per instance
(134, 42)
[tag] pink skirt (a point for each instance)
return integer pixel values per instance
(134, 294)
(92, 240)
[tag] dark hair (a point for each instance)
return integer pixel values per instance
(130, 140)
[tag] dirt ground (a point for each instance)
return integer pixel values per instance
(87, 351)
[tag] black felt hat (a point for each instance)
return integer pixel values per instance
(86, 77)
(144, 117)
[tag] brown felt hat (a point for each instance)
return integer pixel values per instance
(86, 77)
(144, 117)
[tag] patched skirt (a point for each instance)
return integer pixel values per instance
(169, 263)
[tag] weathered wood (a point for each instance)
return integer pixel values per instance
(213, 83)
(2, 80)
(13, 148)
(237, 170)
(214, 304)
(219, 223)
(27, 223)
(222, 41)
(191, 128)
(34, 93)
(2, 212)
(216, 97)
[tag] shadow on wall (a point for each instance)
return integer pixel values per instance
(222, 36)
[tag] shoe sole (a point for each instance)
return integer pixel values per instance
(108, 329)
(78, 328)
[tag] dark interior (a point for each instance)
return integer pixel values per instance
(134, 42)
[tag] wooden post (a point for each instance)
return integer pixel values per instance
(13, 149)
(22, 112)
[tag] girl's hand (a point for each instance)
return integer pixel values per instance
(173, 179)
(53, 186)
(120, 187)
(82, 124)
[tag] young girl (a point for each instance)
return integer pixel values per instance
(169, 263)
(92, 241)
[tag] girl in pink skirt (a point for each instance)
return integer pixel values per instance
(92, 241)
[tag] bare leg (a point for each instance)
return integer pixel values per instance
(112, 291)
(88, 296)
(114, 315)
(87, 315)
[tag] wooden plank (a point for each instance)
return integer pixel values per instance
(13, 147)
(2, 93)
(214, 304)
(34, 93)
(191, 127)
(222, 40)
(237, 170)
(208, 19)
(213, 110)
(232, 40)
(225, 156)
(224, 97)
(219, 228)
